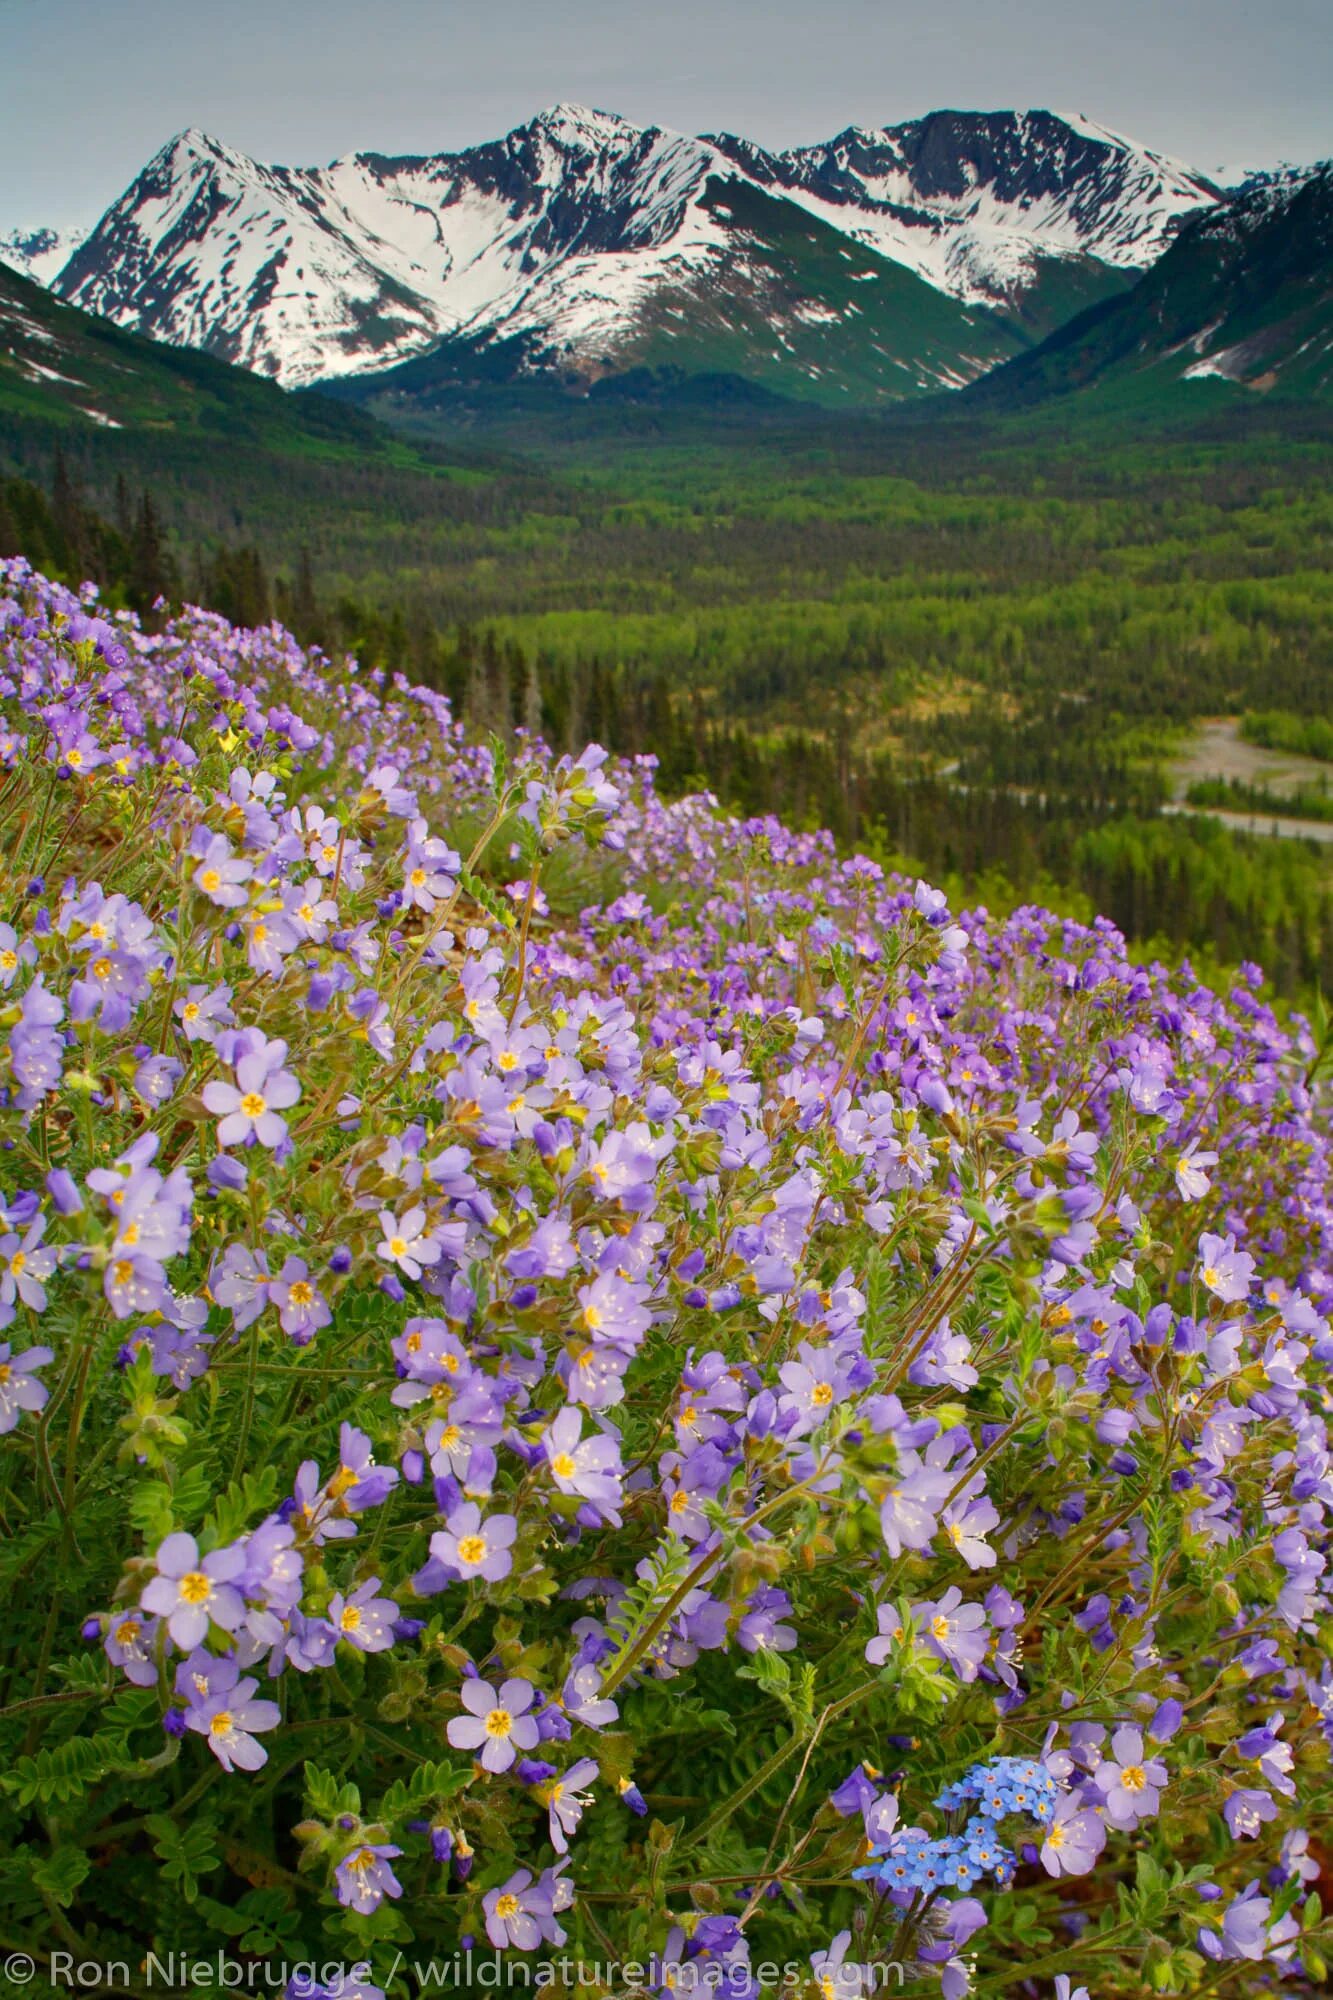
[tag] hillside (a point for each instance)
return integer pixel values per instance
(230, 457)
(1244, 296)
(63, 367)
(655, 1317)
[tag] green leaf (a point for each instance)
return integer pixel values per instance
(151, 1511)
(59, 1875)
(429, 1784)
(60, 1775)
(234, 1510)
(327, 1797)
(186, 1852)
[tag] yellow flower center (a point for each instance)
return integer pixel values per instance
(417, 877)
(398, 1245)
(17, 1261)
(1133, 1777)
(127, 1633)
(506, 1906)
(821, 1394)
(562, 1465)
(592, 1318)
(1210, 1274)
(301, 1294)
(939, 1626)
(190, 1011)
(102, 969)
(129, 1235)
(499, 1723)
(123, 1271)
(221, 1724)
(343, 1480)
(253, 1105)
(210, 880)
(351, 1618)
(195, 1587)
(472, 1550)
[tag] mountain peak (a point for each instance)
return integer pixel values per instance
(578, 125)
(194, 144)
(582, 233)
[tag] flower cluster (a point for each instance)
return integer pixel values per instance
(541, 1324)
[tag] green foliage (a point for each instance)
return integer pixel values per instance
(186, 1852)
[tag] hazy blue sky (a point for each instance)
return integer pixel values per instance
(90, 88)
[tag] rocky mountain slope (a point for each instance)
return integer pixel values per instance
(1244, 295)
(885, 262)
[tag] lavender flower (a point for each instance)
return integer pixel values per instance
(191, 1592)
(497, 1722)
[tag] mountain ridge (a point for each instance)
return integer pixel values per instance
(1244, 295)
(580, 235)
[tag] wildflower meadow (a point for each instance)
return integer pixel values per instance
(593, 1384)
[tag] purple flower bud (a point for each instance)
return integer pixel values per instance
(173, 1722)
(91, 1629)
(545, 1139)
(64, 1192)
(1166, 1721)
(340, 1263)
(225, 1172)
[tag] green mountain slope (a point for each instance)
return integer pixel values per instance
(64, 367)
(803, 315)
(1243, 297)
(228, 455)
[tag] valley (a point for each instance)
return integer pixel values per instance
(935, 485)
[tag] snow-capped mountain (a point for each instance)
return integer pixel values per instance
(975, 201)
(586, 243)
(40, 253)
(1244, 295)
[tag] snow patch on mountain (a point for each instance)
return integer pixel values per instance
(571, 228)
(39, 254)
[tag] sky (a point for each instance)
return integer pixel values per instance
(89, 89)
